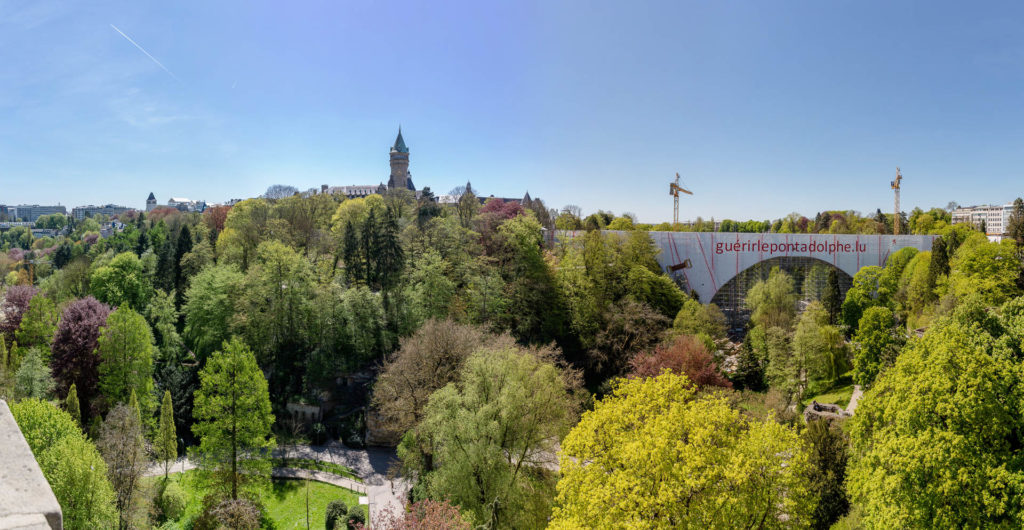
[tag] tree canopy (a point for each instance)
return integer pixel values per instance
(655, 454)
(233, 419)
(936, 441)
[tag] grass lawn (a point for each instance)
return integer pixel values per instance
(840, 395)
(285, 503)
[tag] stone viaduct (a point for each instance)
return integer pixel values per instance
(708, 260)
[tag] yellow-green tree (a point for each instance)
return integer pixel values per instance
(247, 224)
(937, 439)
(122, 282)
(656, 454)
(876, 344)
(988, 269)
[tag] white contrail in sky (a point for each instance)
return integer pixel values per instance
(141, 49)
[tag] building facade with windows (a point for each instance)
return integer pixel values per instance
(110, 210)
(32, 212)
(994, 218)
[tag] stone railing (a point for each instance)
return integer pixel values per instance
(26, 500)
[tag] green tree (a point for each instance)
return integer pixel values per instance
(888, 282)
(274, 312)
(831, 298)
(364, 322)
(784, 370)
(494, 430)
(938, 265)
(245, 227)
(656, 454)
(1015, 225)
(864, 293)
(429, 287)
(125, 348)
(33, 378)
(355, 268)
(233, 420)
(876, 343)
(122, 445)
(38, 325)
(163, 318)
(468, 206)
(655, 290)
(390, 258)
(210, 306)
(827, 447)
(535, 311)
(818, 349)
(166, 445)
(772, 302)
(988, 269)
(71, 405)
(750, 366)
(916, 293)
(121, 282)
(936, 440)
(621, 223)
(695, 318)
(485, 295)
(628, 328)
(335, 514)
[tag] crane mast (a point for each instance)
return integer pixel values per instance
(673, 189)
(895, 184)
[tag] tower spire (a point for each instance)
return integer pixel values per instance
(400, 143)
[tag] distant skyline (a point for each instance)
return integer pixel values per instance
(764, 109)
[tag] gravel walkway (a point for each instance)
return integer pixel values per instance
(857, 393)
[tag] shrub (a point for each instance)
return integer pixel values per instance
(336, 509)
(238, 514)
(686, 355)
(172, 501)
(356, 518)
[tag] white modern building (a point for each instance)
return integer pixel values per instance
(995, 218)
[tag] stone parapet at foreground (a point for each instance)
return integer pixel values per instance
(26, 500)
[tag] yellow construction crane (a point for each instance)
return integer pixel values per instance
(673, 189)
(896, 214)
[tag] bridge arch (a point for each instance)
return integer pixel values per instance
(810, 276)
(703, 262)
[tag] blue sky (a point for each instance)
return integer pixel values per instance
(764, 107)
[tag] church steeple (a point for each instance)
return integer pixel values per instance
(399, 146)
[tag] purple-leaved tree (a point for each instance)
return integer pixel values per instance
(74, 357)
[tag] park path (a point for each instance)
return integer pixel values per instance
(370, 464)
(854, 398)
